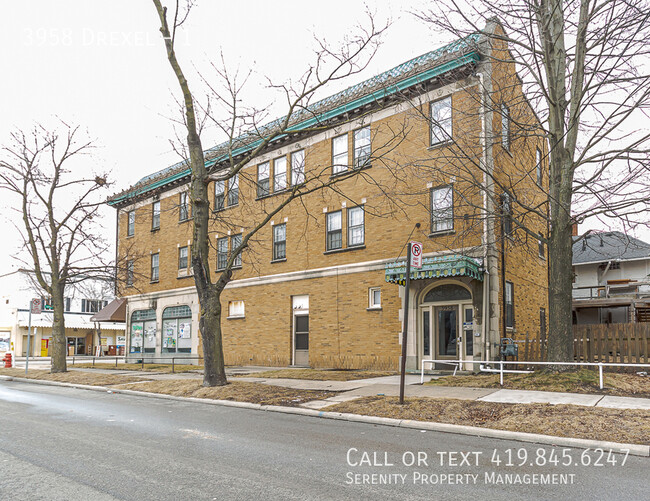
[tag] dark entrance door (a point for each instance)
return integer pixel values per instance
(447, 327)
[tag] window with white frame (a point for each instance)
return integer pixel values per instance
(222, 253)
(263, 173)
(441, 121)
(182, 258)
(442, 209)
(155, 215)
(334, 231)
(540, 245)
(340, 154)
(130, 228)
(279, 241)
(538, 166)
(279, 174)
(184, 207)
(154, 267)
(505, 126)
(374, 300)
(510, 305)
(362, 148)
(356, 230)
(233, 190)
(298, 167)
(235, 241)
(236, 309)
(219, 194)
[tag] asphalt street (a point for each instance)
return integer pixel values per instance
(68, 444)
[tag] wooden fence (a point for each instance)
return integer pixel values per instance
(613, 343)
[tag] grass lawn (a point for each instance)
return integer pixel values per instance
(238, 391)
(75, 377)
(320, 375)
(165, 368)
(616, 425)
(582, 381)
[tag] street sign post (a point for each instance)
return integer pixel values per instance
(35, 307)
(414, 259)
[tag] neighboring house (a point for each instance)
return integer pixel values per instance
(323, 283)
(611, 279)
(81, 302)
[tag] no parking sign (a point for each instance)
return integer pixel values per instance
(416, 255)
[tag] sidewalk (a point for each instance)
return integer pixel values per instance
(389, 386)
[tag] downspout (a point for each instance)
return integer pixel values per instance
(491, 285)
(486, 280)
(117, 236)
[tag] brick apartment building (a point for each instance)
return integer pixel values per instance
(438, 141)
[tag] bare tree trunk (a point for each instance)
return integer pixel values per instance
(58, 353)
(210, 321)
(560, 245)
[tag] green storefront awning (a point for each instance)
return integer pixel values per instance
(436, 267)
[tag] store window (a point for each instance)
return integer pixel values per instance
(177, 330)
(143, 331)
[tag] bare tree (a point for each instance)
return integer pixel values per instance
(241, 126)
(58, 209)
(583, 69)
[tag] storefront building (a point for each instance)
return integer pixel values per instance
(322, 284)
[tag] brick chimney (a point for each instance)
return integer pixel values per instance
(574, 230)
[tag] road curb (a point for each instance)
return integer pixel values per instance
(580, 443)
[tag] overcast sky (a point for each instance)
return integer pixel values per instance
(102, 65)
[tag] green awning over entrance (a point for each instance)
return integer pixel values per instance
(436, 267)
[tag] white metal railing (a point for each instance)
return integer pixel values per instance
(501, 363)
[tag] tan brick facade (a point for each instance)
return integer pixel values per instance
(395, 193)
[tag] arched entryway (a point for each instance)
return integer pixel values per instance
(445, 312)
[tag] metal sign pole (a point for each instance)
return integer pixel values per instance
(406, 322)
(29, 335)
